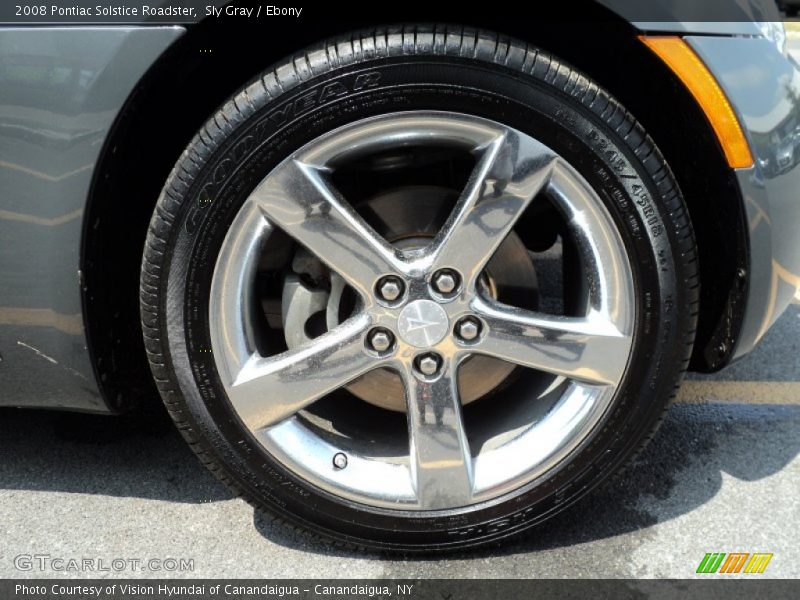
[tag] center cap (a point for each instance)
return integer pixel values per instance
(423, 323)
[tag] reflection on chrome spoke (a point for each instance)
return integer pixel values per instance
(422, 346)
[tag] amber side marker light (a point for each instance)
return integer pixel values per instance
(694, 74)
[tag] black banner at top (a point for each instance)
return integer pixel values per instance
(184, 12)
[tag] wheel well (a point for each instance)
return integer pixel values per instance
(212, 60)
(651, 92)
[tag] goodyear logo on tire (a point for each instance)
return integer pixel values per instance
(734, 562)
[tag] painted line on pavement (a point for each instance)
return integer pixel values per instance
(740, 392)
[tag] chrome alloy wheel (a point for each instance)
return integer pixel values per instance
(435, 314)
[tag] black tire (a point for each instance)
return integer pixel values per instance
(444, 68)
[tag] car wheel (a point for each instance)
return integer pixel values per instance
(419, 289)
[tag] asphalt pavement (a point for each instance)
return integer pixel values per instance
(722, 475)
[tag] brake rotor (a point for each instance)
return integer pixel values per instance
(407, 218)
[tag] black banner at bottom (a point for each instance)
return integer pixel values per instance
(404, 589)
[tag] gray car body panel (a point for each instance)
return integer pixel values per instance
(59, 101)
(763, 85)
(700, 17)
(60, 91)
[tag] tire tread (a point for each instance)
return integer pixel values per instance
(440, 40)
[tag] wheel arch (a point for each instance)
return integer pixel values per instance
(211, 60)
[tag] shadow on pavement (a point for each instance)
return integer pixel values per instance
(139, 455)
(143, 456)
(680, 470)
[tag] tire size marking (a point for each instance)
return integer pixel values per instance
(638, 191)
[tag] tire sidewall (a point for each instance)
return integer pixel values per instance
(276, 128)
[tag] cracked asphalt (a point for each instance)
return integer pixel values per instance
(720, 476)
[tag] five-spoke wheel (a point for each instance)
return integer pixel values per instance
(419, 288)
(422, 312)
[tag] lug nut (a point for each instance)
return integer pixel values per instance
(339, 460)
(445, 282)
(428, 364)
(390, 288)
(468, 329)
(380, 340)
